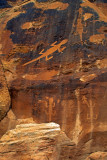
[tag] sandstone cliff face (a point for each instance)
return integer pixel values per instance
(54, 60)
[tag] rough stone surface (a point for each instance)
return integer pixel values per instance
(46, 141)
(54, 58)
(97, 156)
(7, 123)
(35, 142)
(4, 94)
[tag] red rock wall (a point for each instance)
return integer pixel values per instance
(54, 58)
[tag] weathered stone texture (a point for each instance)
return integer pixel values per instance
(4, 94)
(54, 55)
(35, 141)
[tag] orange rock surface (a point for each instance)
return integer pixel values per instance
(53, 68)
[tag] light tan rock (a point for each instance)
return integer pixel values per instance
(25, 121)
(35, 142)
(98, 156)
(86, 78)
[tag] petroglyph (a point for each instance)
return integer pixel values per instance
(91, 116)
(54, 48)
(79, 24)
(102, 17)
(38, 24)
(91, 106)
(49, 108)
